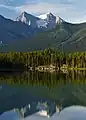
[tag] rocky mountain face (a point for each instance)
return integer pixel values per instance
(28, 19)
(47, 20)
(25, 26)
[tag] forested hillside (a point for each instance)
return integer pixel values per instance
(65, 37)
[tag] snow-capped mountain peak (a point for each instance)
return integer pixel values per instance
(47, 20)
(28, 19)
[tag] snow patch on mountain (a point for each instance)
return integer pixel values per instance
(43, 16)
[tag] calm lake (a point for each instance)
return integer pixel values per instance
(43, 95)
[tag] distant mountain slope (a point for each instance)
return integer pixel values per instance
(64, 37)
(77, 41)
(14, 30)
(10, 30)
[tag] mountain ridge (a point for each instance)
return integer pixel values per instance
(22, 28)
(64, 36)
(47, 20)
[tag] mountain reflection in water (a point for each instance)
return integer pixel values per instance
(43, 96)
(69, 113)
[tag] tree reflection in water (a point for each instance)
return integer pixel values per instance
(18, 90)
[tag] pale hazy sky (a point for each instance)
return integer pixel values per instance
(69, 10)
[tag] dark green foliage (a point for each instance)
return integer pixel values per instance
(21, 60)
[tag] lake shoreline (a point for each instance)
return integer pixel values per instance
(40, 69)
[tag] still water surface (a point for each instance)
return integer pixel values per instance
(43, 96)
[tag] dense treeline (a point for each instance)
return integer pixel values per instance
(45, 57)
